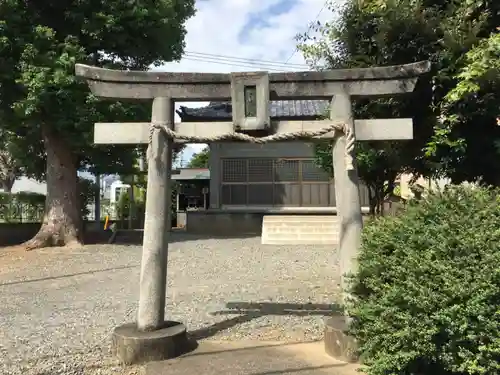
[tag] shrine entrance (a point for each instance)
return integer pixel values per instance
(151, 337)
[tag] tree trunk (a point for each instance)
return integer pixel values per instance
(378, 188)
(372, 201)
(382, 203)
(6, 185)
(7, 178)
(62, 222)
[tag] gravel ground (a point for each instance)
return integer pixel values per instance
(58, 306)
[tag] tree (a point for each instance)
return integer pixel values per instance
(41, 99)
(367, 35)
(200, 159)
(470, 117)
(391, 32)
(378, 168)
(10, 169)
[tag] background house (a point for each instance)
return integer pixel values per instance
(30, 185)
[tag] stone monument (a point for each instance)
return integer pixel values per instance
(152, 337)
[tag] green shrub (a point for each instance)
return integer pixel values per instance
(30, 198)
(87, 190)
(123, 207)
(9, 210)
(25, 197)
(397, 191)
(427, 292)
(22, 206)
(5, 197)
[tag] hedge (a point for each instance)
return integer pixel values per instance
(426, 298)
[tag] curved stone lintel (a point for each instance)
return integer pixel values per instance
(358, 74)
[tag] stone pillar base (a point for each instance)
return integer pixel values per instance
(337, 343)
(132, 346)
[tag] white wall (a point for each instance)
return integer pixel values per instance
(29, 185)
(433, 184)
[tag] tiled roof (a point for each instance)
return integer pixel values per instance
(279, 108)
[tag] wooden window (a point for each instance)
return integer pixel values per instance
(275, 182)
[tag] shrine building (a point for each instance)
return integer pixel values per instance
(248, 180)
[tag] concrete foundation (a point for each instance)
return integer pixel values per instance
(132, 346)
(218, 222)
(17, 233)
(338, 344)
(232, 222)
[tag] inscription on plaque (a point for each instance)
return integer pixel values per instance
(250, 93)
(250, 100)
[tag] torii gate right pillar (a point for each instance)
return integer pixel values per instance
(337, 343)
(347, 193)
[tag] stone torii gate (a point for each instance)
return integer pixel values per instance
(151, 337)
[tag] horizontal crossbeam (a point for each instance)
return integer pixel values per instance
(138, 132)
(278, 90)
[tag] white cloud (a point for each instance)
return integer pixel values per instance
(219, 24)
(247, 29)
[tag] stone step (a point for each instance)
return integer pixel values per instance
(299, 218)
(300, 230)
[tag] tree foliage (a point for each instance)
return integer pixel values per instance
(41, 42)
(42, 101)
(367, 34)
(21, 207)
(469, 127)
(200, 159)
(391, 32)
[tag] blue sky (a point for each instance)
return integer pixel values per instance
(249, 30)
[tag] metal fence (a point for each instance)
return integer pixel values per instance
(15, 212)
(105, 210)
